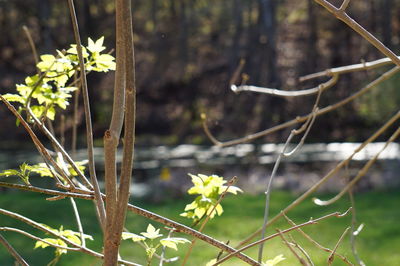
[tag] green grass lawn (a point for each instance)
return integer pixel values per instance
(378, 243)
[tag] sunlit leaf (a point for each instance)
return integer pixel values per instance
(274, 261)
(171, 242)
(132, 236)
(151, 232)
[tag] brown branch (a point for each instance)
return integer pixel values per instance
(38, 144)
(342, 15)
(318, 245)
(299, 258)
(31, 43)
(312, 221)
(112, 135)
(142, 212)
(89, 132)
(332, 257)
(331, 173)
(119, 215)
(361, 173)
(299, 119)
(12, 251)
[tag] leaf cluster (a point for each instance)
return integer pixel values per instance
(52, 86)
(209, 189)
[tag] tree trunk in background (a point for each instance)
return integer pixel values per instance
(386, 22)
(311, 53)
(265, 67)
(238, 22)
(183, 36)
(44, 8)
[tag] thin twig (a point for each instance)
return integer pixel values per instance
(287, 93)
(329, 175)
(300, 119)
(38, 144)
(353, 231)
(302, 250)
(145, 213)
(332, 257)
(299, 258)
(312, 221)
(12, 251)
(318, 245)
(75, 246)
(342, 15)
(78, 221)
(305, 127)
(75, 120)
(31, 43)
(344, 5)
(361, 173)
(89, 132)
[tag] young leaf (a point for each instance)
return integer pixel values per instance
(274, 261)
(132, 236)
(171, 242)
(151, 232)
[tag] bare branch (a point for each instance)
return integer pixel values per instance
(344, 5)
(12, 251)
(289, 245)
(318, 245)
(328, 176)
(361, 173)
(331, 257)
(145, 213)
(341, 15)
(299, 119)
(31, 43)
(353, 231)
(312, 221)
(286, 93)
(89, 132)
(348, 69)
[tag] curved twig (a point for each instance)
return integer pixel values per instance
(328, 176)
(318, 245)
(359, 175)
(342, 15)
(299, 119)
(285, 93)
(89, 132)
(312, 221)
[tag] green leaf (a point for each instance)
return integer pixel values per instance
(274, 261)
(14, 98)
(211, 262)
(151, 232)
(9, 172)
(96, 47)
(171, 242)
(132, 236)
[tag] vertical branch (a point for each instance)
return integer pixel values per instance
(89, 133)
(118, 218)
(75, 118)
(12, 251)
(112, 135)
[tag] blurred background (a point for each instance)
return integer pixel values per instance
(186, 54)
(187, 51)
